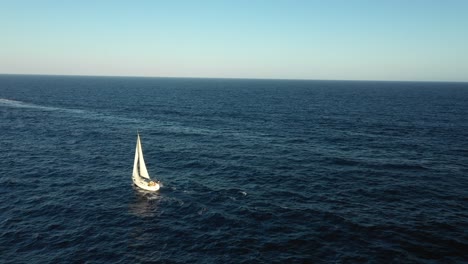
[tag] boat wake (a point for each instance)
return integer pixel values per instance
(76, 112)
(168, 126)
(20, 104)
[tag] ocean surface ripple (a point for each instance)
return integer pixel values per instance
(253, 171)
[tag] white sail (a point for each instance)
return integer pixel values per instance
(143, 171)
(141, 176)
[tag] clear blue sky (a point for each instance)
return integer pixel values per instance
(365, 40)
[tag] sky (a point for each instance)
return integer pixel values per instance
(408, 40)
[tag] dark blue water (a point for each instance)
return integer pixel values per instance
(254, 171)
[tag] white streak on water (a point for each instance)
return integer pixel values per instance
(168, 126)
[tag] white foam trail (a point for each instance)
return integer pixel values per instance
(174, 127)
(77, 112)
(20, 104)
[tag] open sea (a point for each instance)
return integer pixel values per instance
(253, 171)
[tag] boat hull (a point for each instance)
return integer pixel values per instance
(144, 185)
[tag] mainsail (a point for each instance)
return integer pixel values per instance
(139, 166)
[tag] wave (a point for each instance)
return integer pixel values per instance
(383, 165)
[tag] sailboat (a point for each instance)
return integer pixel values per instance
(140, 175)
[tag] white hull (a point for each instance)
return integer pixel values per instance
(144, 185)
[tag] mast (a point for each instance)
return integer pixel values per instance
(135, 163)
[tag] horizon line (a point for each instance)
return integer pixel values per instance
(230, 78)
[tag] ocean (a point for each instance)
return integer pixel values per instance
(253, 171)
